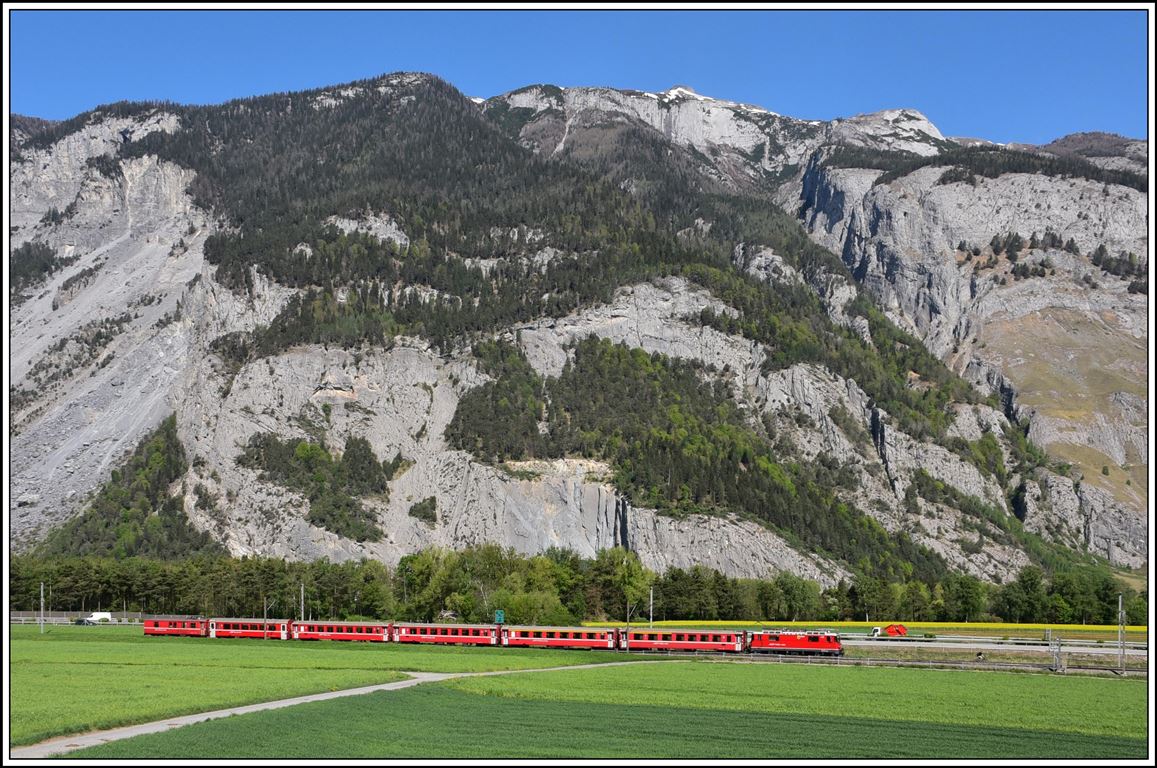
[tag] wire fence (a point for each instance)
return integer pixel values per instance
(71, 617)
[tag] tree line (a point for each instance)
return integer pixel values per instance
(969, 162)
(557, 587)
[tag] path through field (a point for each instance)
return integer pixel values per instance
(64, 744)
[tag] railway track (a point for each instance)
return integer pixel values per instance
(989, 644)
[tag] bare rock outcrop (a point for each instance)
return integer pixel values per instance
(1040, 342)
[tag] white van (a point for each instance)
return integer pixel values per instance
(96, 617)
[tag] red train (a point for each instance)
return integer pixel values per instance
(794, 642)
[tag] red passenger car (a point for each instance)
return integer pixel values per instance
(559, 637)
(341, 630)
(177, 626)
(446, 634)
(795, 642)
(681, 640)
(272, 629)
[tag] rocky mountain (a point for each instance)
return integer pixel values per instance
(1063, 345)
(321, 268)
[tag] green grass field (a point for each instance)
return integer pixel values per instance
(692, 710)
(76, 679)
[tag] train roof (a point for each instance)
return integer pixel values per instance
(460, 626)
(537, 627)
(686, 630)
(251, 620)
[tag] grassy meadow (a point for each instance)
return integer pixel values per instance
(75, 679)
(692, 710)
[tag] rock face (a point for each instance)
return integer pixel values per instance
(401, 401)
(82, 407)
(1044, 343)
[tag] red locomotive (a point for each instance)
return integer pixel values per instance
(784, 641)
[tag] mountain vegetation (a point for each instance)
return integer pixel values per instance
(966, 163)
(678, 444)
(136, 514)
(28, 266)
(330, 484)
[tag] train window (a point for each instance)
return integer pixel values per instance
(813, 639)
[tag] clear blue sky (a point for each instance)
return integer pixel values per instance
(1002, 75)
